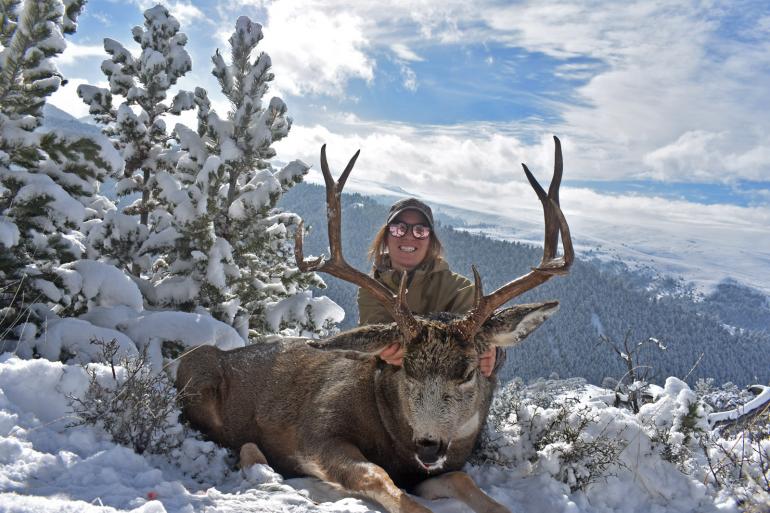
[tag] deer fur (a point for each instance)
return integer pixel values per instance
(333, 410)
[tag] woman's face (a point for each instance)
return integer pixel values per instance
(406, 252)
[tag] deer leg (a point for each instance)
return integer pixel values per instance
(343, 463)
(250, 455)
(460, 486)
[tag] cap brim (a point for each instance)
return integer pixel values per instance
(398, 212)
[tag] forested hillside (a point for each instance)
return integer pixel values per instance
(595, 300)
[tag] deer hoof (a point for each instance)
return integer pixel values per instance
(251, 455)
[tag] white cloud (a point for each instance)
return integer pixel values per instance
(665, 70)
(405, 53)
(184, 12)
(314, 51)
(437, 162)
(75, 53)
(694, 152)
(409, 78)
(709, 157)
(653, 72)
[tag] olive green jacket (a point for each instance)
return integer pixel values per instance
(430, 288)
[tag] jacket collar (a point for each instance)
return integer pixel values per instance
(392, 278)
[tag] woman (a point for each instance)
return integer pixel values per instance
(408, 242)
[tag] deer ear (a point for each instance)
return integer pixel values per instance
(512, 325)
(360, 342)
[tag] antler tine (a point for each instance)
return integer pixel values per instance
(402, 315)
(336, 265)
(304, 265)
(550, 265)
(328, 180)
(478, 289)
(558, 170)
(348, 169)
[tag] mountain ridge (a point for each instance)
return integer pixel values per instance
(699, 344)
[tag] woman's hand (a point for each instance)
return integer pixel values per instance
(487, 361)
(394, 355)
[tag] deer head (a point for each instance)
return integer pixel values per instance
(440, 391)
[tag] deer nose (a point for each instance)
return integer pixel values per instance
(429, 450)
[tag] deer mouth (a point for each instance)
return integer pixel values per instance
(429, 467)
(431, 454)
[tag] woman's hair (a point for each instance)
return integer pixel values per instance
(379, 246)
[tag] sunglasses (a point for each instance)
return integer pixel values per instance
(398, 230)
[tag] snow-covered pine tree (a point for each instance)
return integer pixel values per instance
(137, 128)
(233, 255)
(49, 178)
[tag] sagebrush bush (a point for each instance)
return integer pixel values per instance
(563, 437)
(737, 452)
(137, 407)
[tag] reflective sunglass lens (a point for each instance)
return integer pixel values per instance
(420, 231)
(397, 229)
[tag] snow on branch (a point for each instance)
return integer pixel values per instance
(752, 407)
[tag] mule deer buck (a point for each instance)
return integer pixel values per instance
(332, 409)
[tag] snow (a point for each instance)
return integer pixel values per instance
(164, 238)
(255, 197)
(175, 290)
(183, 100)
(761, 399)
(69, 128)
(100, 284)
(62, 207)
(75, 336)
(189, 140)
(292, 172)
(220, 264)
(294, 307)
(48, 467)
(189, 329)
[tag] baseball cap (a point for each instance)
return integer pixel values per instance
(410, 204)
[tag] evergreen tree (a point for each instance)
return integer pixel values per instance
(49, 179)
(232, 252)
(137, 128)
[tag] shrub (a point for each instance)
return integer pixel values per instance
(568, 440)
(137, 407)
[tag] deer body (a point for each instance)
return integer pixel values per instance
(332, 399)
(332, 409)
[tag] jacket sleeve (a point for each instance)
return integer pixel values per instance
(370, 311)
(459, 294)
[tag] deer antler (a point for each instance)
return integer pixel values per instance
(336, 264)
(550, 265)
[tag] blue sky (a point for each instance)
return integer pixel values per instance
(662, 106)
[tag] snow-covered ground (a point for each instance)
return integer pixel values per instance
(46, 466)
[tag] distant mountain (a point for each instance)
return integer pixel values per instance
(725, 336)
(701, 251)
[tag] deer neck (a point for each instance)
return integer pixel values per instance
(388, 396)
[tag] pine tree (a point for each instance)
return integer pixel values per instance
(137, 128)
(48, 179)
(232, 253)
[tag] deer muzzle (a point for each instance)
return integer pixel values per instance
(431, 453)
